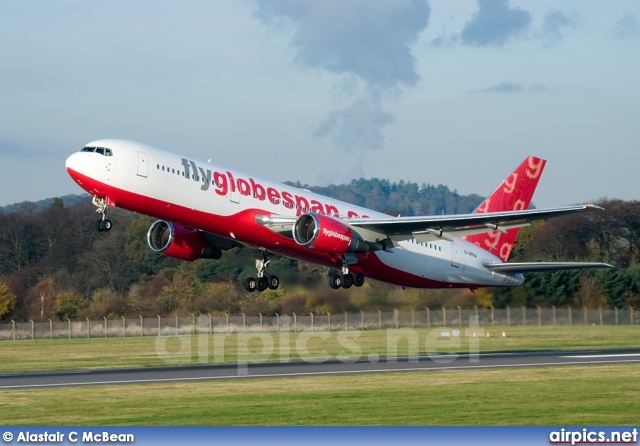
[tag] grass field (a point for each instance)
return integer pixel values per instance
(571, 395)
(79, 354)
(592, 395)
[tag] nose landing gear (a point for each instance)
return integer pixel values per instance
(104, 224)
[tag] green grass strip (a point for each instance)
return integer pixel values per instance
(589, 395)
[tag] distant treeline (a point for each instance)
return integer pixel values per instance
(55, 265)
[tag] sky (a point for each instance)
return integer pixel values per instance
(427, 91)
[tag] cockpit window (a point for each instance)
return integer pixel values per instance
(101, 150)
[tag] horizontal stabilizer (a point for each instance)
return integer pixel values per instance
(542, 267)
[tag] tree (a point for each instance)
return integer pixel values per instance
(7, 299)
(69, 305)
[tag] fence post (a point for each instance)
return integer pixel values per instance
(539, 315)
(210, 324)
(475, 307)
(278, 322)
(13, 329)
(428, 317)
(329, 315)
(124, 327)
(244, 323)
(295, 323)
(361, 320)
(193, 324)
(493, 319)
(68, 320)
(600, 311)
(524, 315)
(586, 322)
(227, 316)
(413, 318)
(260, 314)
(616, 311)
(159, 325)
(459, 316)
(395, 317)
(106, 327)
(50, 329)
(444, 317)
(346, 321)
(33, 330)
(379, 320)
(631, 315)
(141, 327)
(312, 327)
(570, 319)
(176, 316)
(88, 328)
(553, 308)
(508, 316)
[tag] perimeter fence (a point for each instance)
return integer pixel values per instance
(208, 324)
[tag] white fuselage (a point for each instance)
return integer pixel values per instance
(225, 202)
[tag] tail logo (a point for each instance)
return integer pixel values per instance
(514, 194)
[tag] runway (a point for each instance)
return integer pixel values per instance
(299, 369)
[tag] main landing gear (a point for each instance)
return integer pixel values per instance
(346, 279)
(104, 224)
(264, 280)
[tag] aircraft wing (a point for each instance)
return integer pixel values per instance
(449, 226)
(542, 267)
(432, 228)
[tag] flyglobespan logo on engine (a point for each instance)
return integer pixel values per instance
(334, 234)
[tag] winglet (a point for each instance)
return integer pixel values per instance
(515, 193)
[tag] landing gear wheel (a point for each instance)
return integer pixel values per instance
(249, 284)
(358, 279)
(273, 282)
(335, 281)
(261, 283)
(104, 225)
(347, 280)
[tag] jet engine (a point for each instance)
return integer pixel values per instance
(328, 235)
(180, 242)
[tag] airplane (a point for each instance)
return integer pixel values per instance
(203, 209)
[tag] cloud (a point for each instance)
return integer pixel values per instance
(367, 38)
(27, 148)
(13, 148)
(356, 127)
(554, 25)
(627, 27)
(511, 87)
(494, 24)
(368, 42)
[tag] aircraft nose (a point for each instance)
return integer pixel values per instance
(73, 163)
(76, 166)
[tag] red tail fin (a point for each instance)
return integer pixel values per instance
(514, 194)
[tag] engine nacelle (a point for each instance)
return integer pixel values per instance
(180, 242)
(327, 234)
